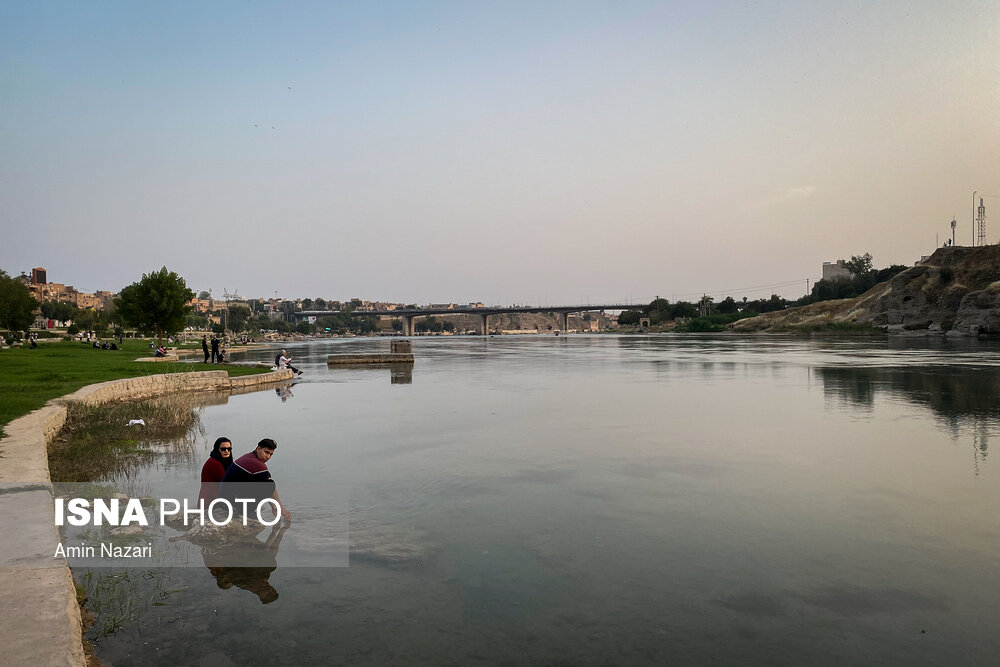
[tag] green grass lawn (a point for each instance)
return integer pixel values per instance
(29, 378)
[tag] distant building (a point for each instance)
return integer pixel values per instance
(52, 292)
(84, 301)
(834, 271)
(205, 306)
(38, 276)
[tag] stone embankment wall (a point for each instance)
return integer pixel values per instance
(25, 458)
(39, 614)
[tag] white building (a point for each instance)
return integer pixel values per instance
(834, 271)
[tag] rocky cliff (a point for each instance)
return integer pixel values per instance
(955, 291)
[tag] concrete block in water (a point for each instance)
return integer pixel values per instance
(371, 358)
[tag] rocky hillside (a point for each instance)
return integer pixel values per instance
(956, 291)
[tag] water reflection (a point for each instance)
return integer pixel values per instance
(398, 373)
(951, 393)
(959, 397)
(401, 374)
(263, 556)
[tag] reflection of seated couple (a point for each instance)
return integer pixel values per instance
(256, 561)
(249, 562)
(284, 393)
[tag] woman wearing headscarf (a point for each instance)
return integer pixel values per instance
(214, 469)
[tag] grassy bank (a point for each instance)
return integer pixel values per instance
(96, 440)
(29, 378)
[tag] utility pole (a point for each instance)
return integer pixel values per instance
(981, 221)
(974, 218)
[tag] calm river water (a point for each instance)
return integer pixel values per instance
(605, 500)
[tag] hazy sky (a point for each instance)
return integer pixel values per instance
(505, 152)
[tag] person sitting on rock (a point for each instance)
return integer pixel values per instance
(251, 468)
(282, 361)
(219, 460)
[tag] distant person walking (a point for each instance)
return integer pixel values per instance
(215, 349)
(204, 347)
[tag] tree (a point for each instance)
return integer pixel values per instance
(237, 318)
(429, 323)
(773, 304)
(658, 311)
(728, 306)
(17, 306)
(204, 295)
(156, 304)
(85, 319)
(683, 309)
(61, 311)
(197, 321)
(657, 304)
(860, 266)
(629, 317)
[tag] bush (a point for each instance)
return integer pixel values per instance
(710, 323)
(629, 317)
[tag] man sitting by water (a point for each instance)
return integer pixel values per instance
(252, 468)
(283, 361)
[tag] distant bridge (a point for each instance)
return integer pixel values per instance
(407, 314)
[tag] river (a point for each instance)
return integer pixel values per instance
(601, 500)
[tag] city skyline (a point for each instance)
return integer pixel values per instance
(457, 152)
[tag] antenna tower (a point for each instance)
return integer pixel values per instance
(981, 222)
(229, 297)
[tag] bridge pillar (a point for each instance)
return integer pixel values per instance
(407, 325)
(484, 324)
(564, 322)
